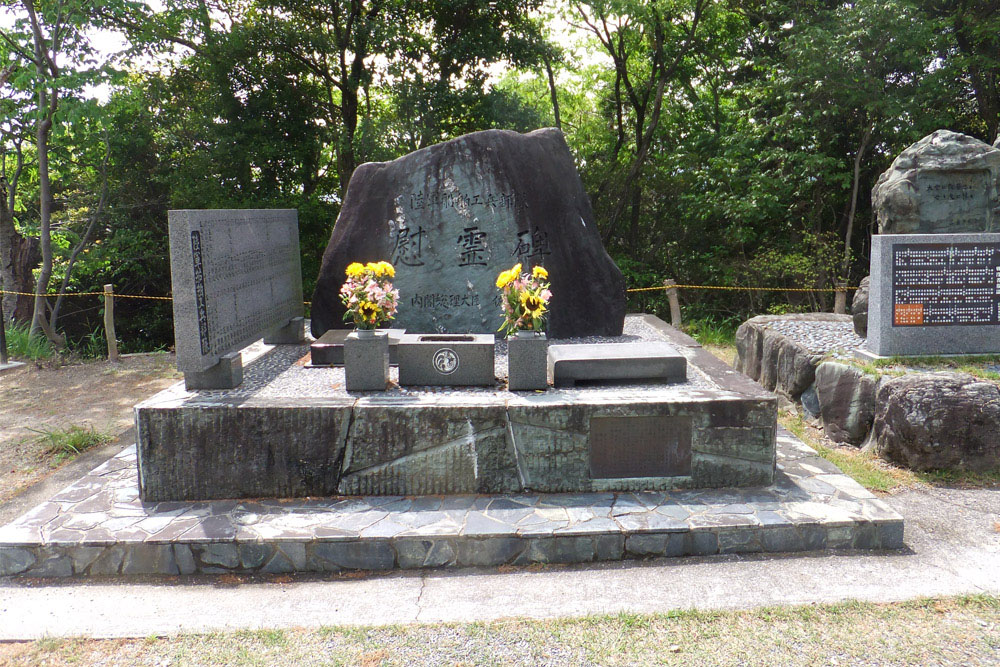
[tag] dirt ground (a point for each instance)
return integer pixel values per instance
(93, 394)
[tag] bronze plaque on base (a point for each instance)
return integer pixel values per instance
(622, 447)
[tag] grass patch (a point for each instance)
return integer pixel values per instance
(960, 478)
(26, 346)
(66, 443)
(960, 630)
(707, 332)
(974, 365)
(863, 467)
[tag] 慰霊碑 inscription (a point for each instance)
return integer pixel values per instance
(623, 447)
(236, 276)
(945, 284)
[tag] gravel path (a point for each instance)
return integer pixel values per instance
(820, 337)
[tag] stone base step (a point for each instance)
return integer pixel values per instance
(98, 526)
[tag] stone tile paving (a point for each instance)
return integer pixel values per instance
(98, 526)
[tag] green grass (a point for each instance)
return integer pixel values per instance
(712, 333)
(25, 346)
(864, 467)
(896, 366)
(64, 443)
(962, 630)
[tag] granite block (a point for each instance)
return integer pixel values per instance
(446, 360)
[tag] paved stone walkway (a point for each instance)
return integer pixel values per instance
(98, 526)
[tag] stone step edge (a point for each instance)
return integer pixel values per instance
(337, 554)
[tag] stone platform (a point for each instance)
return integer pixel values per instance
(99, 526)
(295, 431)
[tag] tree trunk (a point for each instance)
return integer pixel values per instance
(39, 319)
(845, 267)
(19, 254)
(552, 92)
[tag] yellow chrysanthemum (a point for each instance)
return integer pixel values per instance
(504, 279)
(354, 270)
(387, 269)
(540, 273)
(516, 269)
(533, 305)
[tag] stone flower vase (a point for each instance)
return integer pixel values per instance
(366, 360)
(526, 361)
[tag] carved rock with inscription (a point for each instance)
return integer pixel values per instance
(451, 217)
(945, 183)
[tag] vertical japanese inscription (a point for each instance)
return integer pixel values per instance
(199, 292)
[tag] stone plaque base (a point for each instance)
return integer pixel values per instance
(227, 374)
(328, 350)
(628, 447)
(292, 333)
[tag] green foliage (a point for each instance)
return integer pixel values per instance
(716, 151)
(712, 332)
(21, 344)
(67, 442)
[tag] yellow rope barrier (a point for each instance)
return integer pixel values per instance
(115, 294)
(633, 289)
(751, 289)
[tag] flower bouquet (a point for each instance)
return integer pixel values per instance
(525, 299)
(368, 294)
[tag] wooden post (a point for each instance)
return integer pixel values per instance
(109, 322)
(675, 304)
(840, 299)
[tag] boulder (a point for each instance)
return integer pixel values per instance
(846, 401)
(926, 421)
(451, 217)
(774, 360)
(945, 183)
(859, 307)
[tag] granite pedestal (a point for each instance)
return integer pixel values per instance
(129, 516)
(447, 360)
(293, 431)
(526, 362)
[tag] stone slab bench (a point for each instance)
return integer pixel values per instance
(615, 362)
(328, 349)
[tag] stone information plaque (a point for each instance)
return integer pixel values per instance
(934, 294)
(954, 200)
(623, 447)
(236, 276)
(936, 284)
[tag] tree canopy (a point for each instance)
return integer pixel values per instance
(722, 142)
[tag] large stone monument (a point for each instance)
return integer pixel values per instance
(935, 266)
(236, 276)
(451, 217)
(946, 183)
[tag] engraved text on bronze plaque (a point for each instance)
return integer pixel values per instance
(639, 447)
